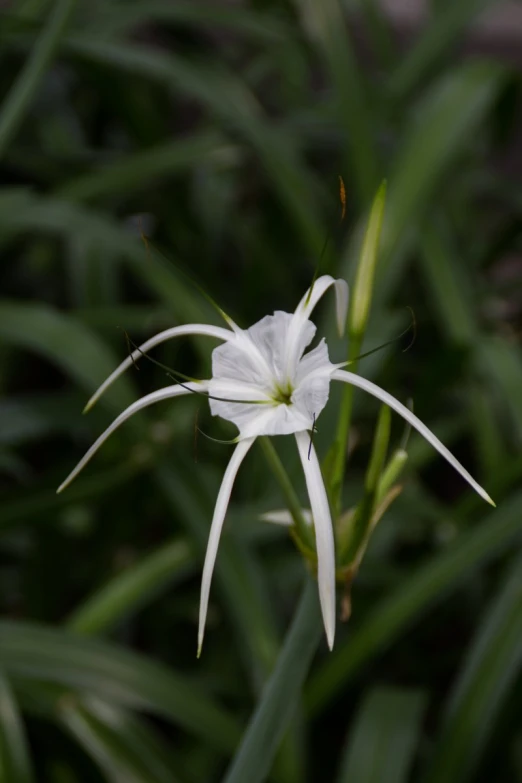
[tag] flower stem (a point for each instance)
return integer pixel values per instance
(292, 501)
(343, 429)
(255, 755)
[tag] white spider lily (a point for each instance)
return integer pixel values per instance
(264, 383)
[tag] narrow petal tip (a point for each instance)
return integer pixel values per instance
(330, 637)
(200, 646)
(88, 406)
(489, 500)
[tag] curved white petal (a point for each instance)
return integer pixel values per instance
(175, 331)
(324, 538)
(215, 530)
(356, 380)
(149, 399)
(304, 310)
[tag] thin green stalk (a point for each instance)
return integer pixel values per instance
(23, 90)
(292, 501)
(343, 428)
(254, 758)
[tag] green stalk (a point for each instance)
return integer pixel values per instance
(357, 319)
(254, 758)
(357, 536)
(292, 501)
(25, 87)
(343, 428)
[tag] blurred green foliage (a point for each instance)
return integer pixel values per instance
(218, 130)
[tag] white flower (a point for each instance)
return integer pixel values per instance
(264, 383)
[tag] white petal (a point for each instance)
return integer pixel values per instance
(318, 289)
(304, 310)
(312, 382)
(284, 518)
(149, 399)
(274, 420)
(324, 538)
(175, 331)
(215, 530)
(356, 380)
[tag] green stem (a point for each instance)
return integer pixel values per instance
(23, 90)
(292, 501)
(343, 429)
(255, 755)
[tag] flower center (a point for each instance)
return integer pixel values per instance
(282, 394)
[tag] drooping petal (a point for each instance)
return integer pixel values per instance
(304, 310)
(318, 289)
(149, 399)
(324, 538)
(176, 331)
(215, 530)
(402, 410)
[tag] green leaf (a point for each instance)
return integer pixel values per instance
(430, 583)
(22, 212)
(442, 32)
(140, 170)
(491, 665)
(131, 590)
(448, 115)
(230, 100)
(255, 755)
(15, 762)
(327, 24)
(381, 745)
(123, 747)
(22, 92)
(63, 340)
(244, 595)
(447, 284)
(35, 653)
(123, 18)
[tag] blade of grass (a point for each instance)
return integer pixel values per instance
(33, 652)
(439, 36)
(492, 663)
(328, 25)
(15, 760)
(141, 169)
(448, 115)
(122, 19)
(61, 339)
(129, 591)
(244, 596)
(381, 745)
(229, 99)
(255, 755)
(22, 92)
(122, 746)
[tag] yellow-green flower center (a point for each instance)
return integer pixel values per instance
(282, 394)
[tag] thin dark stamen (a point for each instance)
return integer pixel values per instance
(311, 438)
(175, 375)
(413, 327)
(129, 351)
